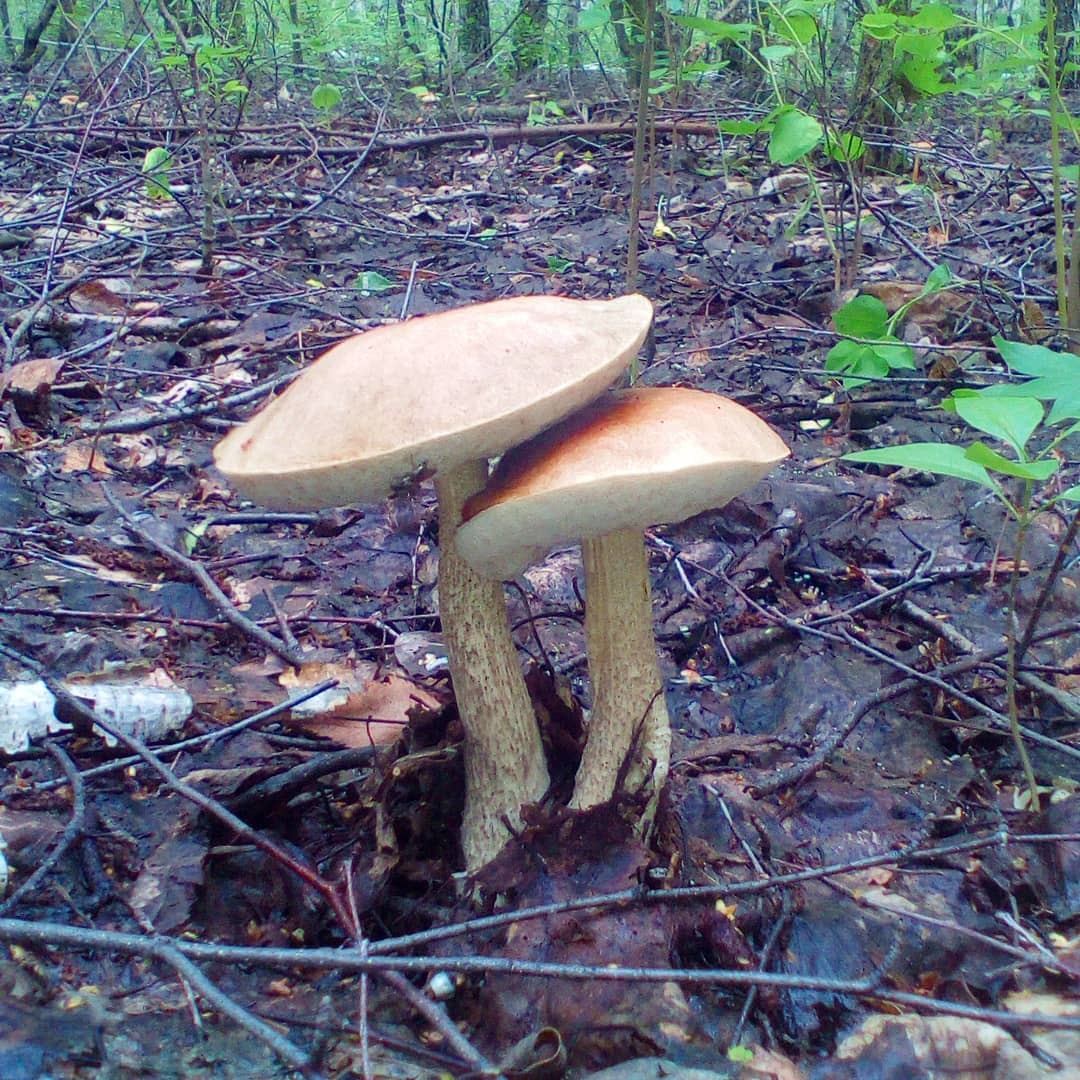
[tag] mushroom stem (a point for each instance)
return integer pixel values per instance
(504, 757)
(629, 742)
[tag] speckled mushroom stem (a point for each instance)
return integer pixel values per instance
(504, 757)
(629, 731)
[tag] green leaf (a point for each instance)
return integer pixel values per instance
(1010, 419)
(155, 167)
(844, 355)
(924, 77)
(939, 278)
(371, 281)
(922, 47)
(941, 458)
(938, 17)
(857, 362)
(558, 265)
(593, 18)
(1036, 359)
(796, 26)
(1062, 390)
(895, 353)
(739, 127)
(740, 1055)
(982, 455)
(880, 25)
(864, 317)
(325, 97)
(156, 159)
(793, 136)
(844, 147)
(775, 54)
(1072, 494)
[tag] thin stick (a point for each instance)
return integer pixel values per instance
(208, 585)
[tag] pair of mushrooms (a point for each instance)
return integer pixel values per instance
(526, 378)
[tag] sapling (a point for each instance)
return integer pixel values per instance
(871, 348)
(1012, 414)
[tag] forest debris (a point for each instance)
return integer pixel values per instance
(360, 710)
(912, 1045)
(148, 709)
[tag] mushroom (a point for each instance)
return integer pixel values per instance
(631, 459)
(438, 396)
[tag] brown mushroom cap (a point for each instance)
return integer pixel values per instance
(430, 394)
(633, 458)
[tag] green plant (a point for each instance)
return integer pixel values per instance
(544, 112)
(156, 165)
(326, 97)
(370, 282)
(1010, 413)
(871, 349)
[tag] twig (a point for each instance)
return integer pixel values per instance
(281, 787)
(695, 893)
(1046, 591)
(211, 737)
(72, 831)
(208, 585)
(43, 933)
(126, 425)
(153, 616)
(285, 1049)
(799, 772)
(436, 1016)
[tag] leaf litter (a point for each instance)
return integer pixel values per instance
(797, 629)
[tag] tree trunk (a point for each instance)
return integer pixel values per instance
(297, 39)
(528, 35)
(406, 36)
(32, 38)
(474, 34)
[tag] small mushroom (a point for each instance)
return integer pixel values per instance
(438, 396)
(631, 459)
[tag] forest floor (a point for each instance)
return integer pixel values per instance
(848, 878)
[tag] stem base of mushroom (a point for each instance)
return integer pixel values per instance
(629, 743)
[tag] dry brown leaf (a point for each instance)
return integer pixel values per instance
(1070, 682)
(348, 674)
(32, 376)
(935, 314)
(96, 298)
(83, 456)
(945, 1045)
(373, 716)
(361, 710)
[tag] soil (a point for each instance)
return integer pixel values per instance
(848, 877)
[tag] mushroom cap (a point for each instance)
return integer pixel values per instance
(430, 394)
(633, 458)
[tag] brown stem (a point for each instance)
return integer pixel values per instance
(504, 758)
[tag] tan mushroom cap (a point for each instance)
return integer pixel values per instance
(430, 394)
(633, 458)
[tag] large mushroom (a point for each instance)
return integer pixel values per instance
(631, 459)
(441, 395)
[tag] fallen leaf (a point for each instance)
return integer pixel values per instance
(96, 298)
(32, 376)
(361, 710)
